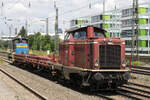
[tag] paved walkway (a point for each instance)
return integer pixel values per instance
(6, 93)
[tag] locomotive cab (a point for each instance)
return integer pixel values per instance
(88, 47)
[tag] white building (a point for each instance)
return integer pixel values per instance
(143, 28)
(7, 38)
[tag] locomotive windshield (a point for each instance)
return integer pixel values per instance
(16, 41)
(98, 34)
(76, 35)
(80, 35)
(67, 36)
(24, 41)
(20, 41)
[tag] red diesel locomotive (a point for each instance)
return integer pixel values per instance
(87, 58)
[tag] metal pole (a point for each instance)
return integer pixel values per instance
(9, 37)
(26, 27)
(47, 26)
(103, 13)
(56, 26)
(2, 5)
(90, 8)
(137, 29)
(103, 6)
(133, 31)
(56, 23)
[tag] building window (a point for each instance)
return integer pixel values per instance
(128, 43)
(111, 25)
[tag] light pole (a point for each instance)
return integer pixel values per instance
(103, 6)
(135, 29)
(2, 6)
(47, 26)
(56, 26)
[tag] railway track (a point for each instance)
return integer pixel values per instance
(141, 73)
(135, 90)
(130, 92)
(5, 54)
(142, 68)
(23, 85)
(19, 82)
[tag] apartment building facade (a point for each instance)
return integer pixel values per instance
(143, 29)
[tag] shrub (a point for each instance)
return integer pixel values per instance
(138, 63)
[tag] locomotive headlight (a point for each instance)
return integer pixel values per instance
(96, 63)
(124, 63)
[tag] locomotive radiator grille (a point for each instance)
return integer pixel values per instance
(110, 56)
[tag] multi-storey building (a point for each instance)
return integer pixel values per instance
(110, 21)
(143, 29)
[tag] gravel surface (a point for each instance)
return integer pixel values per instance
(5, 92)
(53, 91)
(10, 90)
(141, 88)
(141, 74)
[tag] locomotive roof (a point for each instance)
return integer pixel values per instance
(84, 28)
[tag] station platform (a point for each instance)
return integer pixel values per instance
(6, 93)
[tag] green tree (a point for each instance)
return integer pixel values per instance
(31, 40)
(4, 44)
(39, 42)
(22, 33)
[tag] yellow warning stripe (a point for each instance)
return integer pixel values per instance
(22, 46)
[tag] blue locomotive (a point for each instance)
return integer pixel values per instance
(20, 46)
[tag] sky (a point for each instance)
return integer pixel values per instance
(36, 11)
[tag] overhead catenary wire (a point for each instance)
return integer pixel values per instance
(14, 4)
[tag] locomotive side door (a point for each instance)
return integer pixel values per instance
(67, 50)
(80, 37)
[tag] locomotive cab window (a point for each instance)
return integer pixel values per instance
(67, 36)
(80, 35)
(98, 34)
(24, 41)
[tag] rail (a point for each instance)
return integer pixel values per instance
(21, 83)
